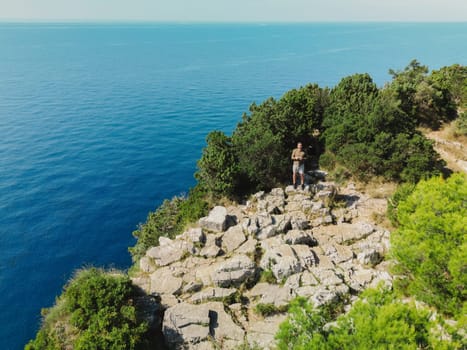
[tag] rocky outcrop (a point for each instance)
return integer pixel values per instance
(277, 246)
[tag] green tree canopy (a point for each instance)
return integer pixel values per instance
(377, 321)
(430, 244)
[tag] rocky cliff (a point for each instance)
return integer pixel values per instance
(316, 243)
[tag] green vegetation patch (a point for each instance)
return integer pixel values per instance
(169, 220)
(430, 244)
(95, 311)
(377, 321)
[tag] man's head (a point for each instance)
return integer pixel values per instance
(299, 145)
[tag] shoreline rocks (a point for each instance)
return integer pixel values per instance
(280, 245)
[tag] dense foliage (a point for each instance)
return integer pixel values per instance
(95, 311)
(258, 153)
(365, 130)
(378, 320)
(369, 133)
(169, 220)
(430, 244)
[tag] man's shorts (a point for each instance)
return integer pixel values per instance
(299, 168)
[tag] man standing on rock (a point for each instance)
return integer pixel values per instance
(298, 157)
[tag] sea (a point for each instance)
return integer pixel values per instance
(100, 122)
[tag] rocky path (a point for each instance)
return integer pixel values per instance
(209, 281)
(453, 152)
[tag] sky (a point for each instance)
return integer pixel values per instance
(234, 10)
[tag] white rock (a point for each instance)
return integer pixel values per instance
(305, 255)
(282, 261)
(300, 237)
(261, 333)
(233, 271)
(248, 248)
(233, 238)
(218, 220)
(169, 251)
(211, 293)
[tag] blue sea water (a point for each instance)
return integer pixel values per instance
(100, 122)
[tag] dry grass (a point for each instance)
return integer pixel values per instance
(377, 188)
(451, 148)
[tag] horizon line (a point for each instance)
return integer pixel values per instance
(140, 21)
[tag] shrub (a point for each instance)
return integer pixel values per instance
(218, 169)
(369, 134)
(97, 312)
(267, 276)
(430, 245)
(269, 309)
(461, 125)
(378, 320)
(402, 192)
(169, 220)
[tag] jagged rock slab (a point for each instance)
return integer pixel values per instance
(194, 235)
(306, 256)
(210, 294)
(233, 238)
(233, 271)
(169, 251)
(261, 332)
(248, 248)
(185, 323)
(338, 253)
(349, 233)
(218, 220)
(192, 324)
(164, 282)
(300, 237)
(271, 294)
(281, 260)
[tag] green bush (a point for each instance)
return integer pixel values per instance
(427, 100)
(378, 320)
(460, 126)
(430, 245)
(402, 192)
(269, 309)
(169, 220)
(218, 169)
(369, 134)
(268, 277)
(96, 311)
(257, 156)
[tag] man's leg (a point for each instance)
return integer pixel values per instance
(294, 179)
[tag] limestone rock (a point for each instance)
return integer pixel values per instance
(300, 237)
(211, 293)
(218, 220)
(353, 232)
(146, 264)
(305, 255)
(282, 261)
(249, 247)
(185, 323)
(233, 238)
(327, 277)
(233, 271)
(261, 333)
(194, 235)
(163, 282)
(169, 251)
(338, 253)
(271, 294)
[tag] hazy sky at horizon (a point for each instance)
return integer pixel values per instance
(234, 10)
